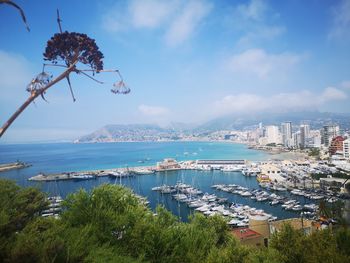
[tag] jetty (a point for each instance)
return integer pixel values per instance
(93, 174)
(167, 164)
(12, 166)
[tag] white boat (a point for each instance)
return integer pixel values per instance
(82, 176)
(297, 208)
(246, 193)
(143, 171)
(231, 168)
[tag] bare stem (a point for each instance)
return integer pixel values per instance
(35, 94)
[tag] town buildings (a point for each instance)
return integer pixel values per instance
(346, 149)
(286, 130)
(328, 133)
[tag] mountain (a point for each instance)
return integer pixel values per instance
(130, 132)
(175, 131)
(315, 119)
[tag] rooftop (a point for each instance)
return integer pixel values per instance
(245, 233)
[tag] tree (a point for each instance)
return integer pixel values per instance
(71, 49)
(290, 243)
(18, 206)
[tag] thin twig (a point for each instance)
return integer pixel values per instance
(55, 65)
(59, 20)
(87, 75)
(70, 88)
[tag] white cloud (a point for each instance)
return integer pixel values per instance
(261, 32)
(14, 70)
(150, 13)
(254, 10)
(255, 21)
(345, 84)
(15, 75)
(185, 23)
(341, 21)
(258, 62)
(177, 19)
(251, 103)
(153, 111)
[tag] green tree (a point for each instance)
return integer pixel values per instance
(18, 206)
(290, 243)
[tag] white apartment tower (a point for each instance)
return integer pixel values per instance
(272, 134)
(304, 135)
(346, 149)
(286, 130)
(328, 133)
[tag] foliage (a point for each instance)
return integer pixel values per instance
(109, 224)
(314, 152)
(342, 175)
(18, 206)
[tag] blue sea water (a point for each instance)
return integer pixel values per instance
(63, 157)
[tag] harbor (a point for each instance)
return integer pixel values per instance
(279, 188)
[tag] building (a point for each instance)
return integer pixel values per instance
(168, 164)
(286, 131)
(272, 134)
(304, 135)
(346, 149)
(336, 145)
(268, 169)
(296, 139)
(248, 236)
(296, 223)
(328, 133)
(334, 183)
(315, 139)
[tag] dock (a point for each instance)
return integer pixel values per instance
(93, 174)
(167, 164)
(12, 166)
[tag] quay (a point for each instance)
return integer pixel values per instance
(167, 164)
(93, 174)
(11, 166)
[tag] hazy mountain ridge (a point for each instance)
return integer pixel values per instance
(129, 132)
(315, 119)
(151, 132)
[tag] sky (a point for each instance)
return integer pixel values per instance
(185, 61)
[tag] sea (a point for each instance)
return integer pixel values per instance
(68, 157)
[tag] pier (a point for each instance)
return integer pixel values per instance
(12, 166)
(167, 165)
(93, 174)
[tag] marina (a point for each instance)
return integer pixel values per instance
(284, 195)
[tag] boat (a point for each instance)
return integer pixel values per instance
(246, 193)
(82, 176)
(274, 202)
(143, 171)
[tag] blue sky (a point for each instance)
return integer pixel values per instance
(185, 61)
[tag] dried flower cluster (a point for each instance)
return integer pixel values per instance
(62, 47)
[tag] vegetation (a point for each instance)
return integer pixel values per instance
(317, 176)
(110, 225)
(314, 152)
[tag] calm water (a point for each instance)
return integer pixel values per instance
(49, 158)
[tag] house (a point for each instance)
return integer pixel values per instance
(248, 236)
(296, 223)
